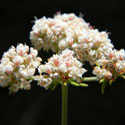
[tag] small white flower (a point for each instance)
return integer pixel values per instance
(22, 49)
(63, 44)
(33, 52)
(8, 68)
(119, 66)
(18, 60)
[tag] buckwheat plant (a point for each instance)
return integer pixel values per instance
(73, 42)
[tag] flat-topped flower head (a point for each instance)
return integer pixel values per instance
(112, 66)
(17, 67)
(56, 33)
(69, 31)
(60, 67)
(92, 45)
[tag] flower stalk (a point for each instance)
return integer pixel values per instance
(64, 103)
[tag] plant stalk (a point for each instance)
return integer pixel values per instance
(64, 103)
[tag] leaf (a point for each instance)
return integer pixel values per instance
(83, 84)
(54, 86)
(97, 64)
(123, 76)
(110, 82)
(78, 84)
(101, 80)
(103, 86)
(74, 83)
(49, 86)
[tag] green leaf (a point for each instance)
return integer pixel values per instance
(123, 76)
(101, 80)
(97, 64)
(78, 84)
(74, 83)
(110, 82)
(83, 85)
(103, 86)
(54, 86)
(50, 86)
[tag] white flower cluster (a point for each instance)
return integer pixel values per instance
(17, 67)
(60, 67)
(112, 66)
(69, 31)
(74, 41)
(56, 33)
(92, 45)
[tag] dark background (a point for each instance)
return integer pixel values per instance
(87, 106)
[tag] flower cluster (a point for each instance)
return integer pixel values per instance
(56, 33)
(112, 66)
(74, 42)
(92, 45)
(17, 67)
(69, 31)
(59, 68)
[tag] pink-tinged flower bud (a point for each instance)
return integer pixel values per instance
(22, 49)
(108, 75)
(8, 68)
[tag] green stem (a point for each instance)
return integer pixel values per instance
(64, 103)
(89, 79)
